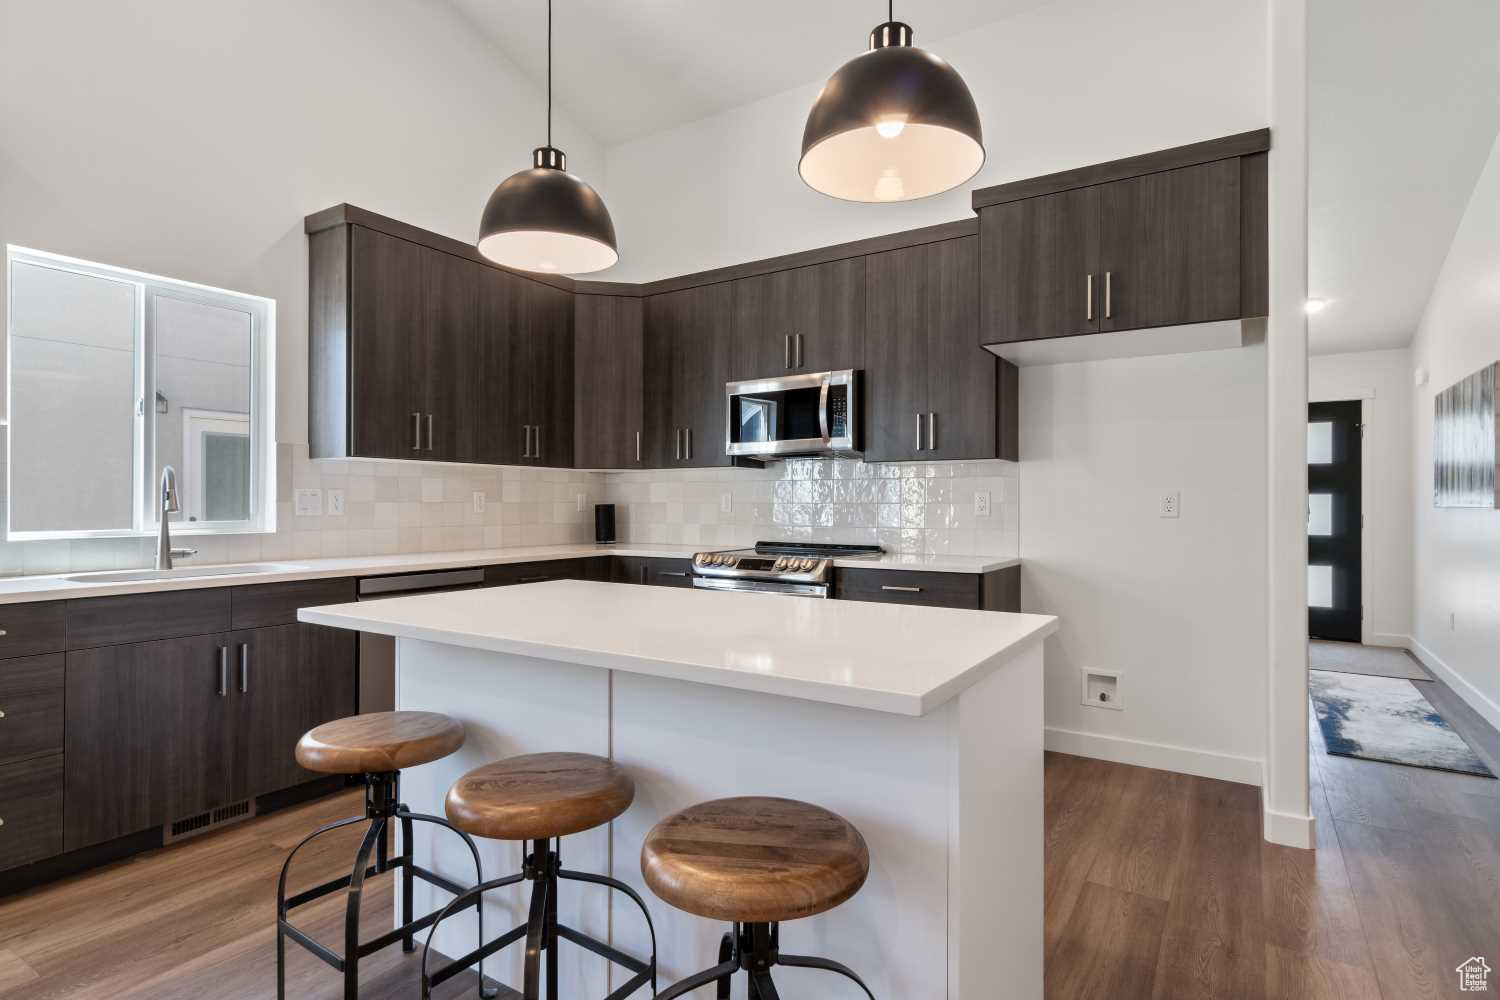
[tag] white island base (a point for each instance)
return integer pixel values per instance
(949, 801)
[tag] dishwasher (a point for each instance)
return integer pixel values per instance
(377, 653)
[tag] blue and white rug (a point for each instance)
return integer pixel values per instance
(1387, 719)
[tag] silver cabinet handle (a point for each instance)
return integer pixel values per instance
(677, 445)
(223, 671)
(919, 431)
(3, 632)
(429, 432)
(1109, 308)
(244, 668)
(1088, 298)
(2, 821)
(667, 572)
(931, 431)
(416, 432)
(799, 351)
(637, 446)
(2, 715)
(526, 446)
(687, 434)
(901, 590)
(537, 451)
(786, 350)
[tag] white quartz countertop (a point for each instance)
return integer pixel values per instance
(884, 657)
(23, 589)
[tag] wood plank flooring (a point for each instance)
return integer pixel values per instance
(1158, 885)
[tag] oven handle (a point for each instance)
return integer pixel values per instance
(816, 590)
(823, 409)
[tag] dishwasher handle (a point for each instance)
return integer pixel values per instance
(413, 582)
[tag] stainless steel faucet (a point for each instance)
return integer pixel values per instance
(168, 505)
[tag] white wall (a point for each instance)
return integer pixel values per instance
(1176, 605)
(1382, 381)
(1456, 623)
(1063, 85)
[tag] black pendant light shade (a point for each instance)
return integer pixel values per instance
(893, 124)
(546, 219)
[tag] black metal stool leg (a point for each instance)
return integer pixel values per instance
(281, 908)
(761, 987)
(487, 992)
(351, 913)
(535, 937)
(726, 952)
(409, 940)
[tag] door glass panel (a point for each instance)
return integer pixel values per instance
(1320, 514)
(1320, 586)
(1320, 443)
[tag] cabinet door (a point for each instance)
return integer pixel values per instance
(148, 737)
(386, 319)
(453, 405)
(659, 435)
(1170, 247)
(1036, 259)
(694, 330)
(549, 338)
(286, 679)
(607, 359)
(804, 319)
(961, 395)
(500, 362)
(896, 354)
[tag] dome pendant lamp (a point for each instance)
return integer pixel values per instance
(546, 219)
(893, 124)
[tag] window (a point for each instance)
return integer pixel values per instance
(89, 345)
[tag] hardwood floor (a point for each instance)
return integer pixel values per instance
(1158, 885)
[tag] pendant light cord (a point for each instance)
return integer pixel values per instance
(549, 72)
(890, 9)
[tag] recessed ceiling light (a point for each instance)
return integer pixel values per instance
(1315, 306)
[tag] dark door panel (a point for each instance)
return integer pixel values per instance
(607, 381)
(386, 317)
(961, 375)
(897, 289)
(549, 373)
(1335, 521)
(1037, 259)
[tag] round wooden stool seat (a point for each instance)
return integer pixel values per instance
(755, 860)
(540, 795)
(378, 742)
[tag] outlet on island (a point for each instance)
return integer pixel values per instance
(1101, 689)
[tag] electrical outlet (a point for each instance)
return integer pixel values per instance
(309, 503)
(336, 503)
(1101, 689)
(981, 503)
(582, 501)
(1170, 505)
(726, 503)
(479, 499)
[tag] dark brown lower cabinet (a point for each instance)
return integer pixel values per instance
(652, 571)
(998, 590)
(539, 572)
(31, 706)
(31, 810)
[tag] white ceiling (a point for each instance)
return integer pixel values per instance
(1404, 102)
(629, 69)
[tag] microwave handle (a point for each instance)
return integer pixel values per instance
(823, 409)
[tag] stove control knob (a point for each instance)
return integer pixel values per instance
(780, 564)
(719, 560)
(731, 560)
(701, 559)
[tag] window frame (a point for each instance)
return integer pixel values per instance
(145, 478)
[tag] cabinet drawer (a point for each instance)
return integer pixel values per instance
(535, 572)
(31, 706)
(114, 621)
(277, 603)
(892, 586)
(654, 572)
(31, 810)
(29, 629)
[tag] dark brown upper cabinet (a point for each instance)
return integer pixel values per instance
(547, 375)
(608, 342)
(687, 335)
(803, 319)
(932, 392)
(1164, 239)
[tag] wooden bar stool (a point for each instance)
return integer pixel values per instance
(541, 798)
(375, 746)
(754, 862)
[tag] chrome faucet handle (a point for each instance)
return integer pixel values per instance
(183, 553)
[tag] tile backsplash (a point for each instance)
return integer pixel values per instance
(396, 507)
(919, 507)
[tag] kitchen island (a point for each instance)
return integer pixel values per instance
(922, 726)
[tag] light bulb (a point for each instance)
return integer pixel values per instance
(889, 187)
(889, 128)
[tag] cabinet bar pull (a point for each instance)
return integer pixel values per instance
(223, 671)
(2, 715)
(919, 431)
(901, 590)
(244, 668)
(537, 451)
(932, 431)
(429, 432)
(687, 436)
(799, 350)
(533, 579)
(786, 344)
(667, 572)
(637, 446)
(3, 632)
(416, 432)
(526, 447)
(1108, 296)
(1088, 298)
(677, 441)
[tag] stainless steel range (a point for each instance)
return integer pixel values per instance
(801, 569)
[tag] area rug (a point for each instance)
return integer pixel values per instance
(1352, 658)
(1387, 719)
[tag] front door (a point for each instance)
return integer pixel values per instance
(1334, 521)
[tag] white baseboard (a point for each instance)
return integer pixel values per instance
(1161, 756)
(1395, 640)
(1288, 829)
(1475, 698)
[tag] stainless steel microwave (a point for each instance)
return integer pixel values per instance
(814, 414)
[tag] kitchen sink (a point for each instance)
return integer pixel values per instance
(183, 573)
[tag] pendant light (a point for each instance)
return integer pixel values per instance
(893, 124)
(546, 219)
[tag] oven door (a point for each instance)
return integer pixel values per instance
(819, 590)
(796, 415)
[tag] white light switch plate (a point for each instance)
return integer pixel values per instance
(981, 503)
(479, 499)
(309, 503)
(726, 503)
(336, 503)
